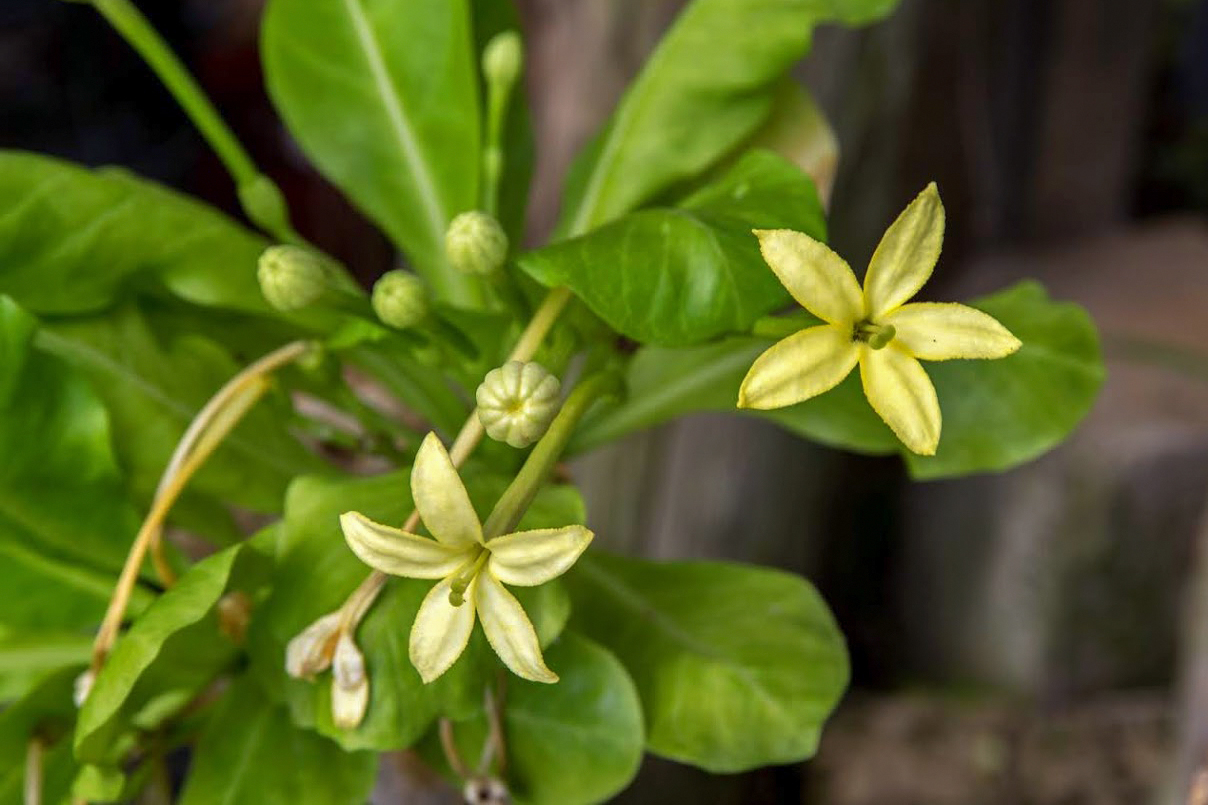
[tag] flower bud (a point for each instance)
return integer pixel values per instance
(503, 58)
(485, 791)
(517, 401)
(310, 652)
(400, 299)
(82, 687)
(292, 277)
(349, 684)
(475, 243)
(264, 203)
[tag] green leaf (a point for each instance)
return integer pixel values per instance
(676, 276)
(798, 130)
(61, 495)
(707, 87)
(665, 383)
(737, 667)
(997, 414)
(175, 633)
(250, 752)
(47, 713)
(383, 96)
(154, 387)
(400, 706)
(74, 240)
(27, 658)
(575, 742)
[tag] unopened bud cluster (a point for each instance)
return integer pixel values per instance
(517, 402)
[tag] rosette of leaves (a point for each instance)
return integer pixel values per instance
(124, 305)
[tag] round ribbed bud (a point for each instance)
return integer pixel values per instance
(503, 58)
(517, 401)
(485, 791)
(400, 299)
(291, 277)
(475, 243)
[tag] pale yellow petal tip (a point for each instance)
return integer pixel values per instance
(927, 449)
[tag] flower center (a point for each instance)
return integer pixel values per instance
(465, 575)
(876, 336)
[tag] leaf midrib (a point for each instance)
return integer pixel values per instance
(403, 131)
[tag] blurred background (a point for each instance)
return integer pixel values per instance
(1035, 637)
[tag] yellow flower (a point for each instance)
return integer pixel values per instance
(472, 570)
(874, 327)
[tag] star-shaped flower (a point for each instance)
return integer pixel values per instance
(874, 327)
(472, 570)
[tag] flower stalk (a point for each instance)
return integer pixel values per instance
(259, 196)
(358, 603)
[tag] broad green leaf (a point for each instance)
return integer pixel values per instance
(26, 658)
(737, 667)
(382, 95)
(180, 632)
(707, 87)
(572, 743)
(61, 495)
(153, 389)
(680, 275)
(997, 414)
(46, 713)
(251, 752)
(73, 240)
(44, 591)
(400, 706)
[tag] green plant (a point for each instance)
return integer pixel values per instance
(280, 658)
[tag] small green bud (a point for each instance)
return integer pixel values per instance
(475, 243)
(517, 401)
(503, 58)
(400, 299)
(264, 204)
(292, 277)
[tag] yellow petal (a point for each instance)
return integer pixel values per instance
(901, 393)
(398, 552)
(441, 631)
(799, 367)
(938, 331)
(509, 631)
(820, 280)
(440, 496)
(529, 558)
(906, 255)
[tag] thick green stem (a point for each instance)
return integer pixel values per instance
(260, 197)
(541, 461)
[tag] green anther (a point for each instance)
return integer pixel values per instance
(881, 338)
(461, 582)
(877, 336)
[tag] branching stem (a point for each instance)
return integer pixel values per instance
(471, 434)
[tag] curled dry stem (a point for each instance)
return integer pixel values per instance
(207, 430)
